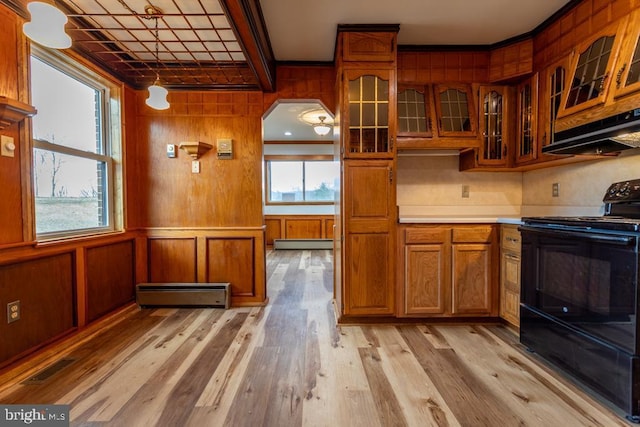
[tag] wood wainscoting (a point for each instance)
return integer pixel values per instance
(298, 227)
(207, 255)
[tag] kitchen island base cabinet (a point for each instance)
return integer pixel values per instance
(448, 271)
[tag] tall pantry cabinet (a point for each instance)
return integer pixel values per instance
(367, 213)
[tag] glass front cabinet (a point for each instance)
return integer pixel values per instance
(370, 113)
(495, 125)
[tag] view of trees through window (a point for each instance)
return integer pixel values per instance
(69, 162)
(302, 181)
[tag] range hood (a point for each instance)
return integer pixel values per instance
(608, 135)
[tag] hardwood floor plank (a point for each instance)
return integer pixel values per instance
(421, 402)
(459, 387)
(388, 408)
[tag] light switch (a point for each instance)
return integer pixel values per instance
(7, 146)
(195, 166)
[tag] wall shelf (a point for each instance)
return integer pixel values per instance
(195, 149)
(12, 111)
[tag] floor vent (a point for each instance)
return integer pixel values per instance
(302, 244)
(183, 294)
(49, 371)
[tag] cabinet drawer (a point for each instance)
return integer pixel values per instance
(472, 234)
(426, 235)
(510, 239)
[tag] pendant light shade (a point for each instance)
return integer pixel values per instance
(157, 97)
(47, 26)
(322, 128)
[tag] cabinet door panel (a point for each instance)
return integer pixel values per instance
(369, 191)
(369, 290)
(427, 280)
(471, 279)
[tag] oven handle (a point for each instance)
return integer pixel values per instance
(604, 238)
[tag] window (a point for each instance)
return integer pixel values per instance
(72, 154)
(299, 181)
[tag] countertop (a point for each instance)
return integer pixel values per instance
(459, 220)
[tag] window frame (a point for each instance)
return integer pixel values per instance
(292, 158)
(110, 135)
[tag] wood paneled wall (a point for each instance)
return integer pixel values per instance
(45, 288)
(588, 17)
(236, 256)
(304, 82)
(110, 277)
(298, 227)
(11, 78)
(443, 66)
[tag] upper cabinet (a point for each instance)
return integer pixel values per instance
(592, 70)
(527, 141)
(368, 46)
(436, 116)
(495, 125)
(627, 72)
(414, 111)
(455, 110)
(370, 113)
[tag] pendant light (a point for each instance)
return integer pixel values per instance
(47, 26)
(322, 128)
(157, 94)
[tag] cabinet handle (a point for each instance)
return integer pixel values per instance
(504, 151)
(390, 175)
(391, 144)
(619, 76)
(544, 138)
(512, 257)
(604, 81)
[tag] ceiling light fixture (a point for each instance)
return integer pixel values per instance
(47, 26)
(157, 94)
(322, 128)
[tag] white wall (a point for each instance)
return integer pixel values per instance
(581, 185)
(432, 186)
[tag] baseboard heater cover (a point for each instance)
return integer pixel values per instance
(183, 294)
(302, 244)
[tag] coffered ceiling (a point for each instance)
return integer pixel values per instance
(234, 44)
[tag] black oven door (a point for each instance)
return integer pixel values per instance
(585, 279)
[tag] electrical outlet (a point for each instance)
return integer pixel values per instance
(555, 190)
(465, 191)
(13, 311)
(195, 166)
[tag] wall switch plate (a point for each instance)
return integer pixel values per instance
(555, 190)
(195, 166)
(7, 146)
(465, 191)
(171, 151)
(13, 311)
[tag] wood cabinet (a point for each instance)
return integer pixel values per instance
(369, 113)
(592, 70)
(437, 116)
(627, 69)
(510, 250)
(448, 271)
(527, 114)
(369, 222)
(553, 81)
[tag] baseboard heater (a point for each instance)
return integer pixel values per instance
(302, 244)
(183, 294)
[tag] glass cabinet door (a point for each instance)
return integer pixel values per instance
(627, 77)
(369, 115)
(455, 112)
(493, 148)
(527, 106)
(414, 117)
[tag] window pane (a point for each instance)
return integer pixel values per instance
(321, 181)
(69, 192)
(285, 181)
(68, 110)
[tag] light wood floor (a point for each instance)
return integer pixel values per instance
(288, 364)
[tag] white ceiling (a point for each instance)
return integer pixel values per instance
(286, 118)
(302, 30)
